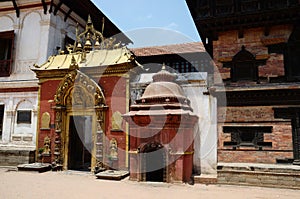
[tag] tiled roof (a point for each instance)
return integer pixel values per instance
(169, 49)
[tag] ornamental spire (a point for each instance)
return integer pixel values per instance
(164, 75)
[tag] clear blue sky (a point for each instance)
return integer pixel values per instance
(151, 22)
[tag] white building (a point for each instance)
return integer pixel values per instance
(30, 32)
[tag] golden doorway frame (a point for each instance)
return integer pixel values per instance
(81, 112)
(78, 94)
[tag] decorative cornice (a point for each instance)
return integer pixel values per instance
(261, 97)
(257, 57)
(19, 89)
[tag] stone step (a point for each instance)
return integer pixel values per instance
(268, 175)
(112, 175)
(205, 179)
(35, 167)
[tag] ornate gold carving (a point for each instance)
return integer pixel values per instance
(47, 145)
(117, 121)
(74, 65)
(78, 90)
(91, 39)
(45, 120)
(84, 87)
(57, 143)
(113, 149)
(64, 87)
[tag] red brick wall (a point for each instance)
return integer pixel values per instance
(247, 156)
(229, 44)
(281, 136)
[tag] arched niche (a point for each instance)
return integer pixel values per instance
(7, 23)
(244, 66)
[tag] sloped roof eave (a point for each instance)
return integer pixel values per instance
(93, 59)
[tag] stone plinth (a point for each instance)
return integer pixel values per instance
(112, 175)
(36, 167)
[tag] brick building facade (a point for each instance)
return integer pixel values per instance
(255, 45)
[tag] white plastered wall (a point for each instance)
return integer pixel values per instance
(36, 37)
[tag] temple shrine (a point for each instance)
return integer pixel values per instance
(97, 114)
(82, 95)
(161, 126)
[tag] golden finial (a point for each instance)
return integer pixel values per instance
(73, 65)
(89, 21)
(88, 43)
(163, 66)
(97, 43)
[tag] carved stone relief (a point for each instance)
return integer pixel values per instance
(117, 121)
(45, 120)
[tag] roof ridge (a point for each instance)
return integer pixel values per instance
(181, 48)
(186, 43)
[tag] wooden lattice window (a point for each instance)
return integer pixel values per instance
(250, 5)
(6, 49)
(243, 67)
(203, 8)
(224, 7)
(184, 66)
(247, 136)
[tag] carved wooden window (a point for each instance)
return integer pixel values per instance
(250, 5)
(1, 119)
(275, 4)
(203, 8)
(184, 66)
(224, 7)
(292, 56)
(243, 67)
(6, 49)
(247, 136)
(24, 116)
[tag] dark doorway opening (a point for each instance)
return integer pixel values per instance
(80, 143)
(155, 163)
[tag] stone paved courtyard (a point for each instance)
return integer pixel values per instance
(71, 184)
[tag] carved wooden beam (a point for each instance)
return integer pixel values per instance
(57, 7)
(44, 6)
(67, 14)
(16, 8)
